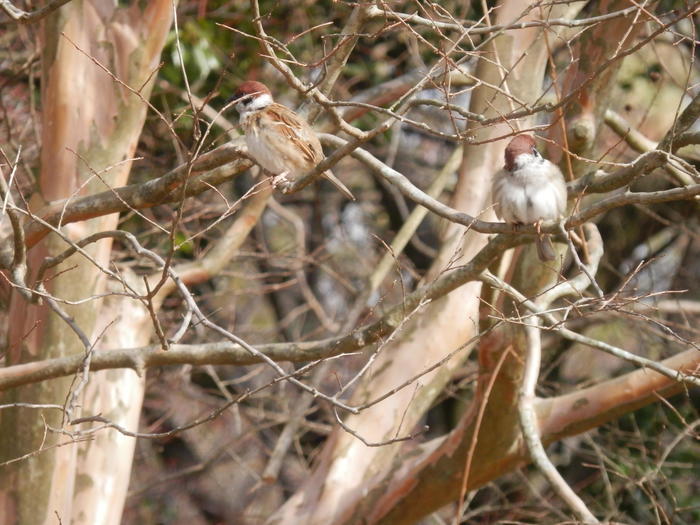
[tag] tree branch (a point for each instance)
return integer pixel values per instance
(528, 424)
(211, 169)
(230, 353)
(478, 29)
(26, 17)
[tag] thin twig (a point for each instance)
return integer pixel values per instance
(27, 17)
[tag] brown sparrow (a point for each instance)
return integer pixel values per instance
(529, 189)
(278, 139)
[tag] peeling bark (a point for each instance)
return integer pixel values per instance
(91, 125)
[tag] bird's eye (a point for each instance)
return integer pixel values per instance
(236, 98)
(536, 153)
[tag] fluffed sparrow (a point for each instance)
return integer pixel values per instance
(529, 189)
(278, 139)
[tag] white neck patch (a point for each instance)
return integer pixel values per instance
(524, 160)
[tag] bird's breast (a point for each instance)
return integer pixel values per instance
(526, 196)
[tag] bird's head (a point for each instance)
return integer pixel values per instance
(251, 96)
(521, 151)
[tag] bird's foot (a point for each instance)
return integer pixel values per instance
(538, 228)
(281, 182)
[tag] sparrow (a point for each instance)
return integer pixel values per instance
(529, 189)
(279, 141)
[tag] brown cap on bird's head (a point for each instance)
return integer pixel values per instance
(249, 87)
(519, 145)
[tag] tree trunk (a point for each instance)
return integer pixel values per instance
(91, 125)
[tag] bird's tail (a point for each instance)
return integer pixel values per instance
(342, 187)
(545, 250)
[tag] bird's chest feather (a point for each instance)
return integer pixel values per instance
(529, 194)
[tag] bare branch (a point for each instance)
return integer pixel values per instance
(530, 429)
(478, 29)
(18, 265)
(555, 325)
(682, 124)
(230, 353)
(209, 170)
(27, 17)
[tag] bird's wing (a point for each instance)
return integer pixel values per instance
(497, 190)
(292, 128)
(295, 129)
